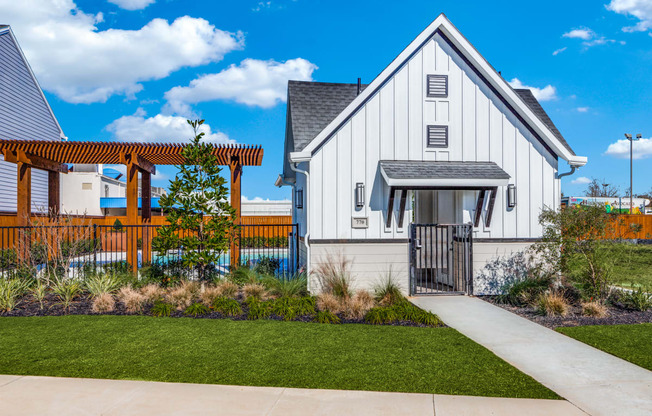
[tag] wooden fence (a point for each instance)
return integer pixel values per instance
(633, 227)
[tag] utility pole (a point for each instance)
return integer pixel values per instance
(631, 169)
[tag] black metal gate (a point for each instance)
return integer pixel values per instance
(441, 260)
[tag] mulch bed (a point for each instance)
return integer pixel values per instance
(29, 306)
(616, 316)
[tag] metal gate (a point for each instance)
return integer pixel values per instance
(441, 259)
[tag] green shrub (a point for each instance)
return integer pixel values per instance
(39, 290)
(405, 311)
(305, 305)
(258, 309)
(285, 307)
(161, 309)
(525, 291)
(196, 309)
(380, 315)
(8, 259)
(428, 318)
(326, 317)
(638, 299)
(243, 275)
(11, 289)
(227, 306)
(268, 265)
(291, 286)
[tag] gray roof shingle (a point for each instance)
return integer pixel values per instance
(408, 169)
(313, 105)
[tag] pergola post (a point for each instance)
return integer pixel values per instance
(132, 216)
(24, 194)
(146, 213)
(236, 175)
(53, 193)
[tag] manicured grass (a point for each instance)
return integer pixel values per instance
(260, 353)
(634, 266)
(629, 342)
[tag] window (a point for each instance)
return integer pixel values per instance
(437, 85)
(437, 136)
(87, 186)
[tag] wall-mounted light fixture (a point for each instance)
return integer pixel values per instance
(299, 199)
(511, 196)
(359, 195)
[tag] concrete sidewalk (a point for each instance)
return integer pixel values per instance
(43, 396)
(596, 382)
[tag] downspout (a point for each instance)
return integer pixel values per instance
(306, 238)
(561, 175)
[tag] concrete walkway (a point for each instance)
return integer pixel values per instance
(44, 396)
(596, 382)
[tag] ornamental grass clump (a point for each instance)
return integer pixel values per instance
(183, 295)
(287, 286)
(329, 302)
(358, 306)
(254, 290)
(161, 309)
(101, 283)
(103, 303)
(152, 292)
(334, 276)
(594, 309)
(67, 290)
(39, 291)
(258, 309)
(552, 304)
(387, 291)
(326, 317)
(639, 299)
(131, 299)
(208, 295)
(228, 289)
(11, 290)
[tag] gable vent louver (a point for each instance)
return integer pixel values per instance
(437, 136)
(437, 85)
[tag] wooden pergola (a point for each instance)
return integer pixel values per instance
(139, 158)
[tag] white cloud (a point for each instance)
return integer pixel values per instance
(546, 93)
(82, 64)
(132, 4)
(640, 9)
(253, 82)
(583, 33)
(558, 51)
(262, 5)
(620, 149)
(582, 180)
(160, 128)
(582, 109)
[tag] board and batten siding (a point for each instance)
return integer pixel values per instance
(392, 125)
(24, 115)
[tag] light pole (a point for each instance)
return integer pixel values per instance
(631, 169)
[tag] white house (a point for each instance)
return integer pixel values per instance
(439, 137)
(24, 115)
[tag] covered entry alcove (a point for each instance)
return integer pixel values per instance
(449, 199)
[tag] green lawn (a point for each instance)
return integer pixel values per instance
(629, 342)
(634, 266)
(260, 353)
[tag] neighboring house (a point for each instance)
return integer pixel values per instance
(24, 115)
(439, 137)
(95, 190)
(266, 208)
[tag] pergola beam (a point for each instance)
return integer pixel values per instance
(139, 161)
(19, 156)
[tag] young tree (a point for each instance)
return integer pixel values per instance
(200, 220)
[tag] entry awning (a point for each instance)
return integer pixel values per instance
(453, 175)
(405, 175)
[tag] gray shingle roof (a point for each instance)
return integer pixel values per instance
(408, 169)
(529, 99)
(313, 105)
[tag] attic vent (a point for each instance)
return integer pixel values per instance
(437, 136)
(437, 85)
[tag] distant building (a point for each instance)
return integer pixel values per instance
(267, 208)
(611, 204)
(95, 190)
(24, 115)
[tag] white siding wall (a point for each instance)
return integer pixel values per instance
(24, 115)
(392, 125)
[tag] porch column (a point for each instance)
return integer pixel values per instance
(236, 174)
(132, 216)
(146, 213)
(53, 193)
(24, 194)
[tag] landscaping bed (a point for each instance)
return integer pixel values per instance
(260, 353)
(574, 316)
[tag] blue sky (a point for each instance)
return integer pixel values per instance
(135, 69)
